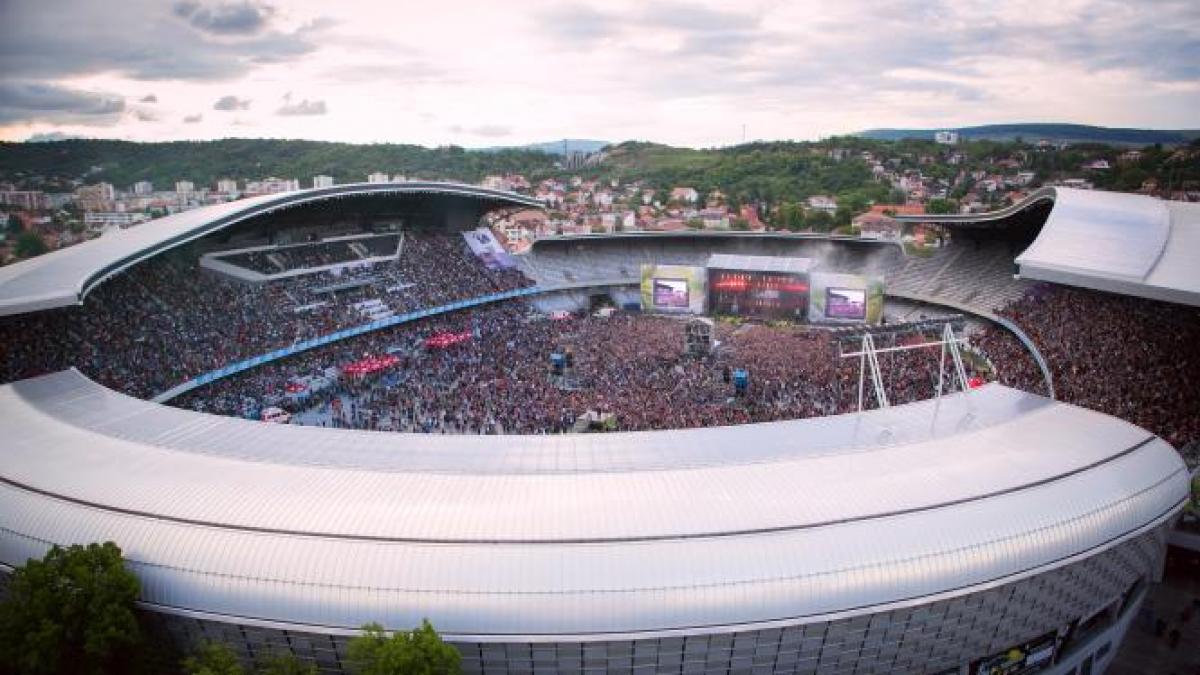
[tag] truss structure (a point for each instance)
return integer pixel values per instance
(868, 360)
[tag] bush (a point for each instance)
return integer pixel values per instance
(416, 652)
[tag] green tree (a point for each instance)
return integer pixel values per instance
(937, 206)
(70, 612)
(416, 652)
(694, 224)
(739, 223)
(213, 658)
(820, 221)
(29, 244)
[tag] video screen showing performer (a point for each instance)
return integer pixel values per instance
(670, 293)
(846, 303)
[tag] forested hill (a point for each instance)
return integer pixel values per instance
(1058, 133)
(123, 163)
(762, 171)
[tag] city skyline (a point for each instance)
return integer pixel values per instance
(684, 73)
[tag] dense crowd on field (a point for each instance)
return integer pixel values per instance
(628, 365)
(167, 320)
(1133, 358)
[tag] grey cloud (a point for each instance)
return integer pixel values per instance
(693, 17)
(304, 107)
(231, 102)
(244, 18)
(79, 37)
(149, 98)
(484, 130)
(578, 23)
(192, 119)
(34, 101)
(143, 115)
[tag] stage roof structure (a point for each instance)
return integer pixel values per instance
(760, 263)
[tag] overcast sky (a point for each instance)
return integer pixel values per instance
(498, 73)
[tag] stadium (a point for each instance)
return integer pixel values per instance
(943, 463)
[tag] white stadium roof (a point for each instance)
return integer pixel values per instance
(1108, 241)
(1129, 244)
(574, 535)
(64, 277)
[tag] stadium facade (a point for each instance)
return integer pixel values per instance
(987, 531)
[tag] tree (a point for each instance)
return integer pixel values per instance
(820, 221)
(70, 612)
(416, 652)
(739, 223)
(213, 658)
(694, 224)
(791, 216)
(29, 244)
(937, 206)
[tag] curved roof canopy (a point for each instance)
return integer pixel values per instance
(1108, 241)
(1122, 243)
(65, 277)
(643, 533)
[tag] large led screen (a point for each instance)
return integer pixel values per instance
(673, 289)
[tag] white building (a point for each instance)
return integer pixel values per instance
(822, 203)
(496, 183)
(227, 186)
(270, 186)
(322, 181)
(377, 177)
(100, 220)
(946, 137)
(184, 187)
(143, 188)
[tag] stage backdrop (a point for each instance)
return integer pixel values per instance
(846, 298)
(676, 289)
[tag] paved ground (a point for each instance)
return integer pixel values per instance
(1144, 653)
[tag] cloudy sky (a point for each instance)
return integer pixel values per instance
(480, 73)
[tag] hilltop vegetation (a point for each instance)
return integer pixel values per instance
(1058, 133)
(767, 173)
(53, 166)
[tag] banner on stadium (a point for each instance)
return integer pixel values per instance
(675, 289)
(484, 245)
(845, 298)
(447, 339)
(371, 364)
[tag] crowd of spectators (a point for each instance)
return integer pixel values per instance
(167, 320)
(629, 365)
(1129, 357)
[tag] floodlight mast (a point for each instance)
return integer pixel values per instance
(868, 356)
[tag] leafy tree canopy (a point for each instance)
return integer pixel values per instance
(416, 652)
(70, 612)
(29, 244)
